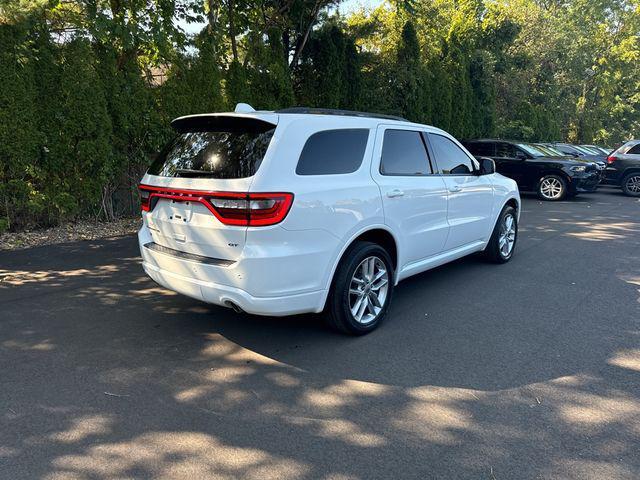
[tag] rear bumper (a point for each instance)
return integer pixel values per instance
(223, 294)
(222, 284)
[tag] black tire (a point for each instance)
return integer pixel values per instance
(338, 308)
(558, 182)
(631, 184)
(493, 252)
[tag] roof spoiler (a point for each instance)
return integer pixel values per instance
(221, 123)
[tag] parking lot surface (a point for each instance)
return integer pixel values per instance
(524, 370)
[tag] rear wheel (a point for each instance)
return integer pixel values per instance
(361, 289)
(503, 239)
(631, 184)
(552, 188)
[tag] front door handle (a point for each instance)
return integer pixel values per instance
(455, 189)
(395, 193)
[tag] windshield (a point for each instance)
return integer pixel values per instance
(554, 151)
(213, 154)
(531, 150)
(549, 151)
(567, 149)
(591, 150)
(584, 150)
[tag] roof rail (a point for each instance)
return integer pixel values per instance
(332, 111)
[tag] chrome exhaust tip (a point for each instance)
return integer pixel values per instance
(233, 306)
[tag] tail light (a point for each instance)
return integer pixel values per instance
(611, 159)
(144, 199)
(230, 208)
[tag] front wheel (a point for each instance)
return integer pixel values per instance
(631, 184)
(552, 188)
(361, 290)
(503, 239)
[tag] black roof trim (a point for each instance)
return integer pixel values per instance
(332, 111)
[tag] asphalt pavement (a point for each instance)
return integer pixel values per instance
(529, 370)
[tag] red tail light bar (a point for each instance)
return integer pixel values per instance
(611, 159)
(230, 208)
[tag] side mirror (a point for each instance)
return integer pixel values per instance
(487, 166)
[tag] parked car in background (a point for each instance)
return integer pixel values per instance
(597, 150)
(549, 150)
(306, 210)
(581, 152)
(600, 161)
(623, 168)
(551, 177)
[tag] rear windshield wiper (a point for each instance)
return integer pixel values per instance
(187, 172)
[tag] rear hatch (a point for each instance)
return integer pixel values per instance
(195, 192)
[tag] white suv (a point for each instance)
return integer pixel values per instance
(307, 210)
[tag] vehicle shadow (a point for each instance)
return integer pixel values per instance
(525, 369)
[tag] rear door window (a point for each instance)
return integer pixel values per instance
(404, 153)
(333, 152)
(635, 150)
(505, 150)
(215, 150)
(481, 149)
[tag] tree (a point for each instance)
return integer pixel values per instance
(82, 158)
(411, 98)
(19, 152)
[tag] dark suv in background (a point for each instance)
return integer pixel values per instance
(551, 177)
(623, 168)
(582, 152)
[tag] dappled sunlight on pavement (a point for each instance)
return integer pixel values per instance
(600, 232)
(534, 374)
(177, 455)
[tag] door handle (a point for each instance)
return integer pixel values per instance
(455, 189)
(395, 193)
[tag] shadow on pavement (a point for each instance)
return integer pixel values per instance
(526, 370)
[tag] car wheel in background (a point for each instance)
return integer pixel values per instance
(552, 188)
(631, 184)
(361, 290)
(503, 239)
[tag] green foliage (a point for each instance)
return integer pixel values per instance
(329, 75)
(269, 83)
(81, 159)
(88, 89)
(20, 157)
(411, 98)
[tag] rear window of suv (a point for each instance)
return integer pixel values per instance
(333, 152)
(214, 150)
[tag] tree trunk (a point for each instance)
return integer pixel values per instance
(232, 30)
(285, 46)
(302, 41)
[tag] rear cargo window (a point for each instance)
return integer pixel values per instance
(213, 154)
(332, 152)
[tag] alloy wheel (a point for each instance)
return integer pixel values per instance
(368, 290)
(633, 184)
(551, 188)
(507, 238)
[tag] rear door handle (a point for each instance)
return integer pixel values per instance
(455, 189)
(395, 193)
